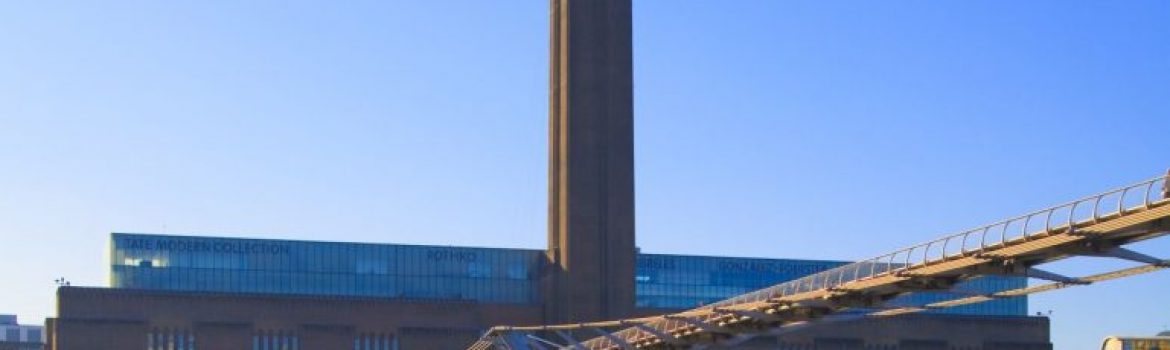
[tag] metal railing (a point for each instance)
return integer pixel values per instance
(1060, 218)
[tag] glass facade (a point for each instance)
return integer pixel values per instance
(323, 268)
(983, 285)
(457, 273)
(678, 281)
(683, 282)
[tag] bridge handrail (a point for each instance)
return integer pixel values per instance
(920, 254)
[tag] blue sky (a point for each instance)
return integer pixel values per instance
(813, 129)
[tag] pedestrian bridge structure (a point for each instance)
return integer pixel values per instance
(1100, 225)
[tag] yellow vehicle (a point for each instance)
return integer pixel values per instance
(1137, 343)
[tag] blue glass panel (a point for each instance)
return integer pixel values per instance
(323, 268)
(680, 282)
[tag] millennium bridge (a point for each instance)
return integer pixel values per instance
(1101, 225)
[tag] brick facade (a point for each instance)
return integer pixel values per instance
(105, 318)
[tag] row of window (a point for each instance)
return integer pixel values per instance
(276, 340)
(170, 339)
(740, 272)
(178, 339)
(984, 285)
(21, 334)
(375, 342)
(350, 258)
(389, 286)
(687, 295)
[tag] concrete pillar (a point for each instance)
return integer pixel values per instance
(591, 161)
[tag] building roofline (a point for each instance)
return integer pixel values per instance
(82, 291)
(382, 244)
(193, 236)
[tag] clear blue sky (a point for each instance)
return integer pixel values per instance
(760, 124)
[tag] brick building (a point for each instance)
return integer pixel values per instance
(188, 293)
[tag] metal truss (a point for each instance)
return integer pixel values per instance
(1094, 226)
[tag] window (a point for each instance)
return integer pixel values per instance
(479, 270)
(372, 342)
(170, 339)
(517, 271)
(375, 267)
(34, 336)
(275, 340)
(12, 334)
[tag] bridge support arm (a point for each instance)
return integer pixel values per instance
(706, 327)
(1051, 276)
(666, 338)
(573, 343)
(750, 314)
(1126, 254)
(615, 339)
